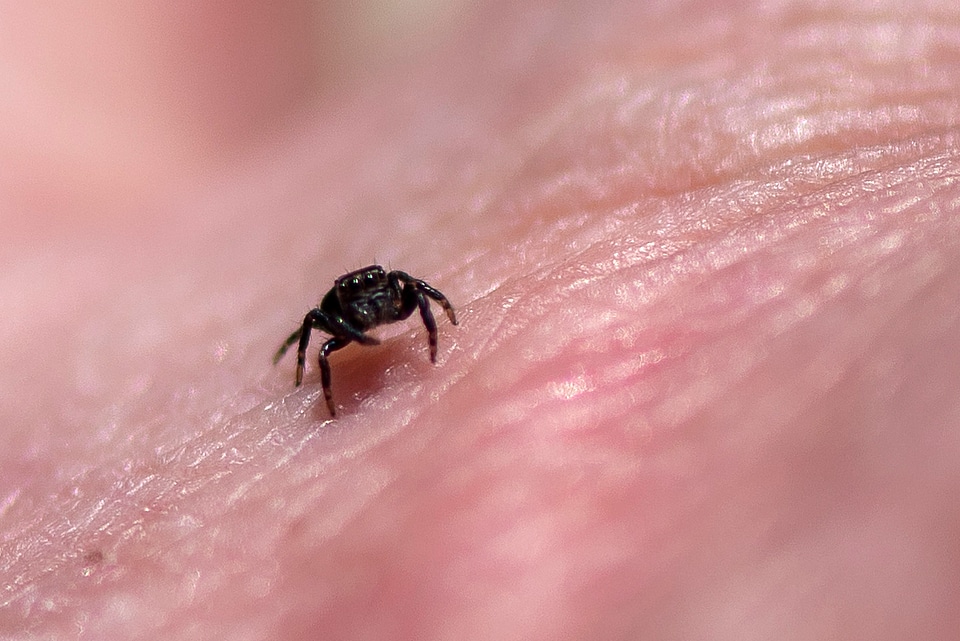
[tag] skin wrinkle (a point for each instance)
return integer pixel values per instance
(520, 374)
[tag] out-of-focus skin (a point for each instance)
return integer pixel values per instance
(706, 261)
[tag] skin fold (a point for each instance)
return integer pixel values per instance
(705, 262)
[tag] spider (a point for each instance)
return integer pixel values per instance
(359, 301)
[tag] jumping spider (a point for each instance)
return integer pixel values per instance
(360, 301)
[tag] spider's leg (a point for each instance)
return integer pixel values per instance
(425, 288)
(430, 324)
(436, 295)
(293, 338)
(411, 298)
(330, 346)
(314, 317)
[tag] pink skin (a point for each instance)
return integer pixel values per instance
(705, 260)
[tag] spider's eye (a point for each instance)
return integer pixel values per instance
(371, 278)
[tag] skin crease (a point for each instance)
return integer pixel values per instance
(704, 257)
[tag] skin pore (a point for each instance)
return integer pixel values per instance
(705, 262)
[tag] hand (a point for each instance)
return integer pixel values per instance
(704, 260)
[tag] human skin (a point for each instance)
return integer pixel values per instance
(705, 261)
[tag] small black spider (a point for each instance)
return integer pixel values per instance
(359, 301)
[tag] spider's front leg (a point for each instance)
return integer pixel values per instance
(428, 322)
(316, 318)
(303, 335)
(414, 294)
(331, 345)
(436, 295)
(293, 338)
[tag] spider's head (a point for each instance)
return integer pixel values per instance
(361, 282)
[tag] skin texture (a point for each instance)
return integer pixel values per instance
(705, 261)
